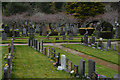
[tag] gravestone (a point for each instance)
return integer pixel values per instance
(82, 67)
(76, 70)
(37, 28)
(69, 66)
(105, 47)
(44, 50)
(48, 53)
(4, 36)
(114, 47)
(38, 45)
(109, 44)
(64, 37)
(118, 32)
(70, 36)
(82, 40)
(93, 40)
(67, 63)
(91, 67)
(90, 42)
(41, 46)
(116, 76)
(63, 62)
(100, 44)
(119, 49)
(24, 32)
(31, 35)
(28, 42)
(85, 40)
(57, 59)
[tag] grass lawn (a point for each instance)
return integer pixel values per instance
(100, 69)
(28, 63)
(110, 56)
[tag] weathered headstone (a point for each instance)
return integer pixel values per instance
(85, 40)
(114, 47)
(76, 70)
(100, 44)
(38, 45)
(70, 36)
(64, 37)
(105, 47)
(57, 59)
(82, 67)
(31, 35)
(69, 66)
(4, 36)
(63, 62)
(93, 40)
(48, 53)
(41, 46)
(44, 50)
(91, 67)
(109, 44)
(82, 40)
(24, 32)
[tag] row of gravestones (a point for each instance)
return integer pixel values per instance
(70, 37)
(8, 67)
(91, 42)
(66, 64)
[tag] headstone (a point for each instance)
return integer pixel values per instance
(63, 62)
(44, 50)
(38, 45)
(85, 40)
(64, 37)
(30, 43)
(70, 36)
(31, 35)
(114, 47)
(76, 70)
(69, 66)
(105, 47)
(91, 67)
(24, 32)
(37, 29)
(41, 46)
(118, 32)
(48, 53)
(109, 44)
(4, 36)
(82, 40)
(90, 42)
(82, 67)
(57, 59)
(93, 40)
(100, 44)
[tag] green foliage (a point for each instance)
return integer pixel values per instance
(107, 26)
(84, 10)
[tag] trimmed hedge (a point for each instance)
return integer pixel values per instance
(82, 31)
(106, 34)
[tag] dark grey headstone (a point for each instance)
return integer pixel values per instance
(44, 50)
(91, 67)
(93, 39)
(4, 36)
(76, 70)
(41, 46)
(82, 67)
(105, 47)
(70, 36)
(64, 37)
(109, 44)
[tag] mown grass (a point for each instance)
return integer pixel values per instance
(28, 63)
(109, 56)
(100, 69)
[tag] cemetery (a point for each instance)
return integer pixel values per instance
(60, 44)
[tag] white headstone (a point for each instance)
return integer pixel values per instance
(101, 39)
(63, 62)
